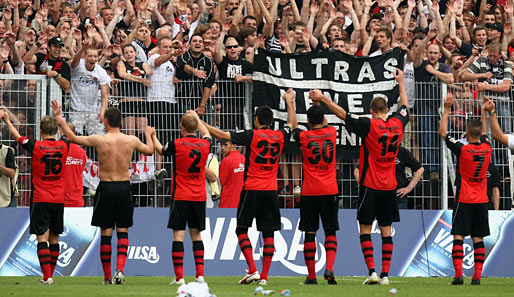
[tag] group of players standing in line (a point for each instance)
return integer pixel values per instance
(381, 136)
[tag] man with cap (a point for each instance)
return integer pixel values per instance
(494, 32)
(50, 64)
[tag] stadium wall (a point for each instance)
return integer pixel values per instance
(149, 253)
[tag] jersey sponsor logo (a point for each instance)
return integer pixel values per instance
(354, 116)
(73, 161)
(220, 241)
(241, 168)
(147, 253)
(25, 141)
(403, 112)
(452, 139)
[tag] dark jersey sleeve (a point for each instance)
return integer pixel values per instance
(210, 141)
(168, 149)
(453, 144)
(65, 71)
(495, 176)
(247, 67)
(402, 114)
(287, 133)
(181, 64)
(211, 76)
(242, 137)
(28, 144)
(9, 159)
(357, 124)
(411, 162)
(296, 135)
(485, 139)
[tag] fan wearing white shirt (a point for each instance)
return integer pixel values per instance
(498, 135)
(87, 78)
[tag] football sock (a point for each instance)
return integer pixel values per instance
(246, 248)
(479, 259)
(331, 248)
(177, 254)
(105, 255)
(387, 254)
(367, 251)
(43, 254)
(457, 255)
(309, 251)
(267, 253)
(123, 244)
(54, 256)
(198, 254)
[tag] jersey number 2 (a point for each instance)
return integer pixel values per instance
(194, 166)
(274, 151)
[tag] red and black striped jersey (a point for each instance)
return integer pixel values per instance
(473, 162)
(189, 157)
(319, 158)
(380, 142)
(263, 149)
(48, 161)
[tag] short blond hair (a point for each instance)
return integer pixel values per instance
(189, 123)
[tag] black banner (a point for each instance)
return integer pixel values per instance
(349, 81)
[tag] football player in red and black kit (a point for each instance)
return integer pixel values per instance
(471, 203)
(47, 200)
(188, 194)
(259, 198)
(75, 164)
(319, 190)
(381, 136)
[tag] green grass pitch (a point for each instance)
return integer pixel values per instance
(227, 286)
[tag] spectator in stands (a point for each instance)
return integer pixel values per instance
(88, 79)
(429, 74)
(494, 77)
(7, 174)
(231, 175)
(212, 181)
(52, 65)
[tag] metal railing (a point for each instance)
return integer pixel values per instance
(230, 108)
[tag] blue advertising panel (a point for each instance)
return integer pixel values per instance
(422, 245)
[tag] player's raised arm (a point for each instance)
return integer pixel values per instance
(201, 127)
(443, 126)
(91, 141)
(156, 142)
(220, 134)
(148, 147)
(317, 95)
(404, 100)
(289, 97)
(496, 131)
(4, 114)
(483, 118)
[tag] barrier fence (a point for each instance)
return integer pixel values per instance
(230, 108)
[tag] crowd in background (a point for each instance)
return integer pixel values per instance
(148, 56)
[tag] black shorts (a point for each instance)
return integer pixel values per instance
(314, 207)
(133, 108)
(113, 205)
(470, 219)
(190, 213)
(259, 205)
(377, 204)
(45, 215)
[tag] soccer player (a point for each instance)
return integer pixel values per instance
(259, 198)
(319, 190)
(188, 193)
(113, 199)
(498, 135)
(75, 164)
(381, 136)
(470, 210)
(47, 201)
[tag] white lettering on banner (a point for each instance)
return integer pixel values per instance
(390, 67)
(355, 103)
(294, 73)
(319, 64)
(284, 253)
(366, 72)
(275, 70)
(444, 241)
(147, 253)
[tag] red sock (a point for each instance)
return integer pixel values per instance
(121, 251)
(309, 252)
(177, 254)
(247, 250)
(105, 256)
(43, 254)
(267, 255)
(457, 255)
(198, 253)
(367, 250)
(479, 259)
(331, 248)
(387, 254)
(54, 256)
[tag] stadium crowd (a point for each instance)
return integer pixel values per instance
(151, 52)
